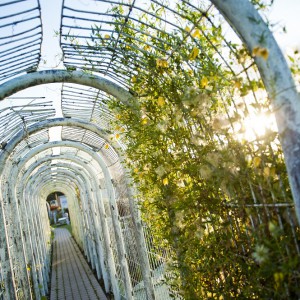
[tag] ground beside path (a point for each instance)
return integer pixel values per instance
(72, 277)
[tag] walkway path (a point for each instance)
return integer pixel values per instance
(72, 277)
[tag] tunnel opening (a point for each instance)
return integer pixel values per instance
(59, 210)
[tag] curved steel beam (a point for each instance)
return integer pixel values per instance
(22, 134)
(55, 76)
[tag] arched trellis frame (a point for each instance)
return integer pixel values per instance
(99, 201)
(84, 183)
(78, 123)
(274, 72)
(80, 162)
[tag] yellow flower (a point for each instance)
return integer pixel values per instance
(165, 181)
(266, 171)
(264, 53)
(144, 121)
(117, 136)
(256, 161)
(237, 84)
(106, 146)
(260, 52)
(204, 82)
(278, 278)
(161, 63)
(107, 36)
(187, 28)
(194, 53)
(190, 72)
(147, 47)
(255, 51)
(269, 172)
(136, 170)
(133, 79)
(161, 101)
(196, 33)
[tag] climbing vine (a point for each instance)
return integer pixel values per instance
(212, 186)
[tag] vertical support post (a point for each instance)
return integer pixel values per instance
(16, 241)
(119, 239)
(7, 276)
(141, 246)
(107, 243)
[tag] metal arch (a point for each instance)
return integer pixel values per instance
(83, 182)
(78, 160)
(89, 170)
(82, 179)
(35, 181)
(49, 187)
(51, 123)
(110, 188)
(135, 213)
(79, 77)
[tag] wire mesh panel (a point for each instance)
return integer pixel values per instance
(119, 271)
(160, 257)
(20, 36)
(31, 141)
(86, 103)
(18, 117)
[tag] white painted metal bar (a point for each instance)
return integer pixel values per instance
(15, 241)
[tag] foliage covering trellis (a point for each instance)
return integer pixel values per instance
(218, 198)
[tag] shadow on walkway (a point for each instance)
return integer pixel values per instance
(72, 277)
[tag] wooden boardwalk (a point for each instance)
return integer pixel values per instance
(72, 277)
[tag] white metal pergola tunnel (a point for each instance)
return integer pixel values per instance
(86, 162)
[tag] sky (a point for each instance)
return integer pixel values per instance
(286, 13)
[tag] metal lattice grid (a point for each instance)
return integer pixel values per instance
(21, 37)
